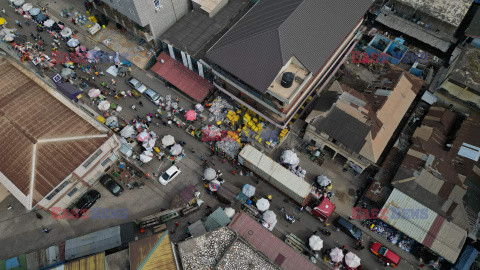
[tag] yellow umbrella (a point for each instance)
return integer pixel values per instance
(2, 21)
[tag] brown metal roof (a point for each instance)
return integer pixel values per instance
(37, 125)
(267, 243)
(153, 252)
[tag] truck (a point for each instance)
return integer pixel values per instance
(275, 174)
(324, 209)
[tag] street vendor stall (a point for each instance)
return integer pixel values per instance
(227, 192)
(269, 220)
(168, 140)
(209, 174)
(94, 29)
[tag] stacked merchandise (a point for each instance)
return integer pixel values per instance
(231, 148)
(406, 243)
(219, 109)
(298, 171)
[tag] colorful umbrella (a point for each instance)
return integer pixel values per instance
(73, 42)
(111, 121)
(214, 185)
(336, 255)
(143, 136)
(104, 105)
(93, 93)
(315, 242)
(2, 21)
(352, 260)
(66, 32)
(263, 205)
(149, 144)
(191, 115)
(209, 174)
(119, 108)
(48, 23)
(269, 217)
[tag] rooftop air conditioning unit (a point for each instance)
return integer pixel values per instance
(287, 79)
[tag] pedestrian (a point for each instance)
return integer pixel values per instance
(301, 209)
(134, 108)
(27, 22)
(177, 224)
(283, 210)
(176, 99)
(140, 103)
(233, 172)
(201, 158)
(45, 230)
(4, 12)
(223, 160)
(114, 82)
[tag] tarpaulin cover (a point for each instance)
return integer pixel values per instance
(69, 90)
(324, 209)
(181, 77)
(466, 259)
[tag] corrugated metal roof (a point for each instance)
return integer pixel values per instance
(151, 253)
(274, 170)
(93, 243)
(216, 220)
(473, 29)
(424, 225)
(96, 262)
(273, 31)
(267, 243)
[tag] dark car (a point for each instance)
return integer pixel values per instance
(349, 228)
(111, 185)
(85, 203)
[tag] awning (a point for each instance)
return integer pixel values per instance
(324, 209)
(181, 77)
(68, 89)
(466, 259)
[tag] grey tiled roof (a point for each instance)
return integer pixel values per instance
(273, 31)
(343, 128)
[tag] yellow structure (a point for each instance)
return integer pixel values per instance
(96, 262)
(152, 253)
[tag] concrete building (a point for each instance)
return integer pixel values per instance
(355, 127)
(462, 81)
(147, 19)
(280, 52)
(431, 22)
(52, 152)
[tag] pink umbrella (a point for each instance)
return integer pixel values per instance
(143, 136)
(191, 115)
(82, 48)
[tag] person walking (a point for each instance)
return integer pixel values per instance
(4, 12)
(134, 108)
(45, 230)
(140, 103)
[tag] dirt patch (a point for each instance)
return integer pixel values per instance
(341, 196)
(351, 192)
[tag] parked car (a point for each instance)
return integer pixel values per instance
(136, 84)
(349, 228)
(111, 185)
(385, 254)
(169, 175)
(153, 96)
(85, 203)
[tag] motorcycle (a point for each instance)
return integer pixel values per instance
(326, 232)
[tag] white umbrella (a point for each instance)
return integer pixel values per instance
(168, 140)
(352, 260)
(34, 11)
(73, 42)
(323, 180)
(269, 217)
(119, 108)
(111, 121)
(104, 105)
(93, 93)
(289, 157)
(143, 136)
(9, 37)
(66, 72)
(248, 190)
(18, 3)
(230, 212)
(336, 255)
(263, 205)
(127, 131)
(48, 23)
(27, 6)
(209, 174)
(66, 32)
(176, 150)
(146, 156)
(315, 242)
(149, 144)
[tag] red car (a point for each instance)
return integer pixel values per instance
(385, 254)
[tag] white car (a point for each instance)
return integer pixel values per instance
(136, 84)
(169, 174)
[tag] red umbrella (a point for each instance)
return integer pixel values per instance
(214, 185)
(191, 115)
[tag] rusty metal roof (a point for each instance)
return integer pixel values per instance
(153, 252)
(42, 139)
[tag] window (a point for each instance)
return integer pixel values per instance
(57, 190)
(156, 3)
(70, 194)
(105, 162)
(92, 158)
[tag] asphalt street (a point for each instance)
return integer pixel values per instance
(16, 237)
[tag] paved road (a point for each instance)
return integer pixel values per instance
(16, 238)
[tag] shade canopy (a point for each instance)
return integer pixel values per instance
(27, 6)
(352, 260)
(315, 242)
(149, 144)
(93, 93)
(142, 136)
(269, 217)
(2, 21)
(48, 23)
(66, 32)
(290, 158)
(73, 42)
(323, 180)
(127, 131)
(248, 190)
(168, 140)
(111, 121)
(209, 174)
(230, 212)
(176, 150)
(146, 156)
(104, 105)
(263, 204)
(34, 11)
(18, 3)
